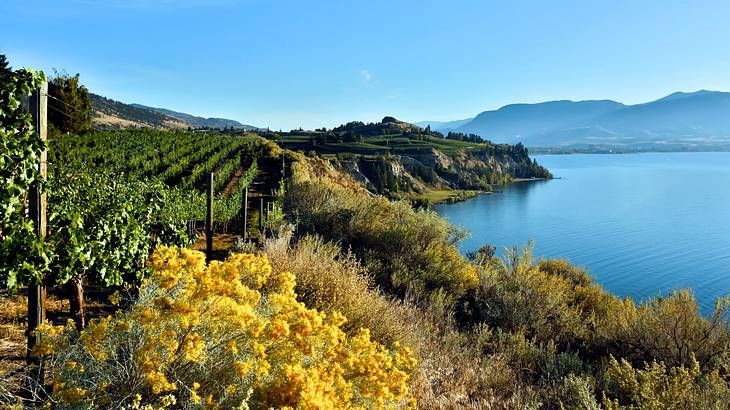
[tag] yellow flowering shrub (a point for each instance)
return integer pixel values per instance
(223, 335)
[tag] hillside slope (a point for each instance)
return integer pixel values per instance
(112, 114)
(399, 159)
(198, 122)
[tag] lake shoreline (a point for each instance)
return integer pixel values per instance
(619, 216)
(458, 195)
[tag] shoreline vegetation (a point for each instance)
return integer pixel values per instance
(455, 195)
(337, 292)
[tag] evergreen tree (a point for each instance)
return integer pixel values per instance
(70, 104)
(5, 69)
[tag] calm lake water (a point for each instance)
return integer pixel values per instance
(642, 224)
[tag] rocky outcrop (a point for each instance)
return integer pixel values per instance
(435, 170)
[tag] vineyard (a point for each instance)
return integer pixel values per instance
(173, 162)
(113, 196)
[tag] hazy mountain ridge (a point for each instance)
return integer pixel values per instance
(196, 121)
(696, 118)
(443, 126)
(109, 113)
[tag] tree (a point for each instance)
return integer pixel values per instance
(5, 69)
(69, 105)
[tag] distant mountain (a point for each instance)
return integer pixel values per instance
(198, 122)
(110, 113)
(443, 126)
(693, 119)
(518, 122)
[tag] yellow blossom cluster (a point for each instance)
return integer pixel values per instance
(232, 333)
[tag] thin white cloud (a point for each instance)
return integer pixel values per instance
(366, 76)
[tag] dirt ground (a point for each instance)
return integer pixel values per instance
(13, 325)
(14, 311)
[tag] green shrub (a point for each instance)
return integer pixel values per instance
(330, 281)
(549, 301)
(672, 330)
(658, 386)
(578, 393)
(406, 250)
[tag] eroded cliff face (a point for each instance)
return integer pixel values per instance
(419, 172)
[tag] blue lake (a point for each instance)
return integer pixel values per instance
(642, 224)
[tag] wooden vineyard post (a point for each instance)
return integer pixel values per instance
(209, 220)
(245, 213)
(261, 215)
(38, 106)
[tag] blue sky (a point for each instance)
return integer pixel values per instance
(286, 64)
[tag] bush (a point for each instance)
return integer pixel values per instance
(549, 301)
(406, 250)
(225, 335)
(330, 281)
(452, 370)
(672, 330)
(658, 386)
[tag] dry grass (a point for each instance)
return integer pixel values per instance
(13, 311)
(104, 120)
(452, 372)
(331, 281)
(13, 325)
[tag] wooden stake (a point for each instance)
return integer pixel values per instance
(38, 106)
(245, 213)
(261, 215)
(209, 220)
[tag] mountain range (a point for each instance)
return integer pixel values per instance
(110, 113)
(686, 119)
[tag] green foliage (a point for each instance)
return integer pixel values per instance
(552, 302)
(483, 256)
(406, 250)
(23, 256)
(578, 393)
(659, 386)
(671, 330)
(461, 162)
(69, 105)
(5, 69)
(179, 159)
(104, 227)
(107, 209)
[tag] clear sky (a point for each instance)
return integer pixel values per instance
(286, 64)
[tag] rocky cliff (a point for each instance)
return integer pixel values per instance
(436, 170)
